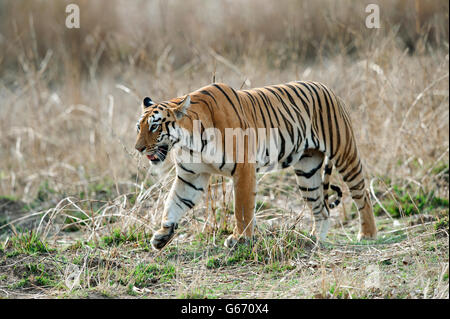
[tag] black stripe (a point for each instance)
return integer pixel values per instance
(261, 112)
(239, 101)
(187, 170)
(309, 174)
(202, 131)
(304, 84)
(320, 117)
(335, 203)
(365, 203)
(234, 169)
(337, 189)
(287, 123)
(349, 177)
(283, 146)
(330, 123)
(165, 105)
(335, 106)
(223, 160)
(358, 196)
(305, 105)
(286, 108)
(190, 184)
(320, 205)
(291, 98)
(328, 169)
(307, 189)
(312, 199)
(358, 187)
(211, 109)
(251, 102)
(263, 97)
(232, 104)
(343, 156)
(269, 103)
(185, 201)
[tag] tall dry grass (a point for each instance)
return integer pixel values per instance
(69, 98)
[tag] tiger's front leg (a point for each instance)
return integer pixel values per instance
(244, 181)
(185, 193)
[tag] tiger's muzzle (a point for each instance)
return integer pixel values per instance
(159, 154)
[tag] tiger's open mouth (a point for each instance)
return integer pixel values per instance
(159, 155)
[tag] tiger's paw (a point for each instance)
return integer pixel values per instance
(367, 235)
(232, 241)
(321, 229)
(163, 236)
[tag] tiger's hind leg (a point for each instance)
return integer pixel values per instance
(308, 171)
(353, 175)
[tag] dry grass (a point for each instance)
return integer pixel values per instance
(69, 103)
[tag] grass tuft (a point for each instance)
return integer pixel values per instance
(29, 243)
(145, 275)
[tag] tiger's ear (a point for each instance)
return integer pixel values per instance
(147, 102)
(182, 108)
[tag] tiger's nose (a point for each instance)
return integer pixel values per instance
(140, 148)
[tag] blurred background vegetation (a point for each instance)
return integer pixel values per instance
(118, 34)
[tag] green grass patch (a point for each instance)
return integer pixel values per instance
(43, 281)
(213, 262)
(28, 243)
(33, 274)
(272, 248)
(339, 293)
(24, 282)
(442, 223)
(243, 253)
(102, 190)
(44, 192)
(407, 204)
(385, 239)
(118, 238)
(74, 221)
(79, 244)
(277, 267)
(196, 293)
(146, 275)
(262, 205)
(441, 168)
(8, 198)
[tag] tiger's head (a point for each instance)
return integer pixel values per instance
(157, 127)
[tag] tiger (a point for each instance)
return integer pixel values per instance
(314, 134)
